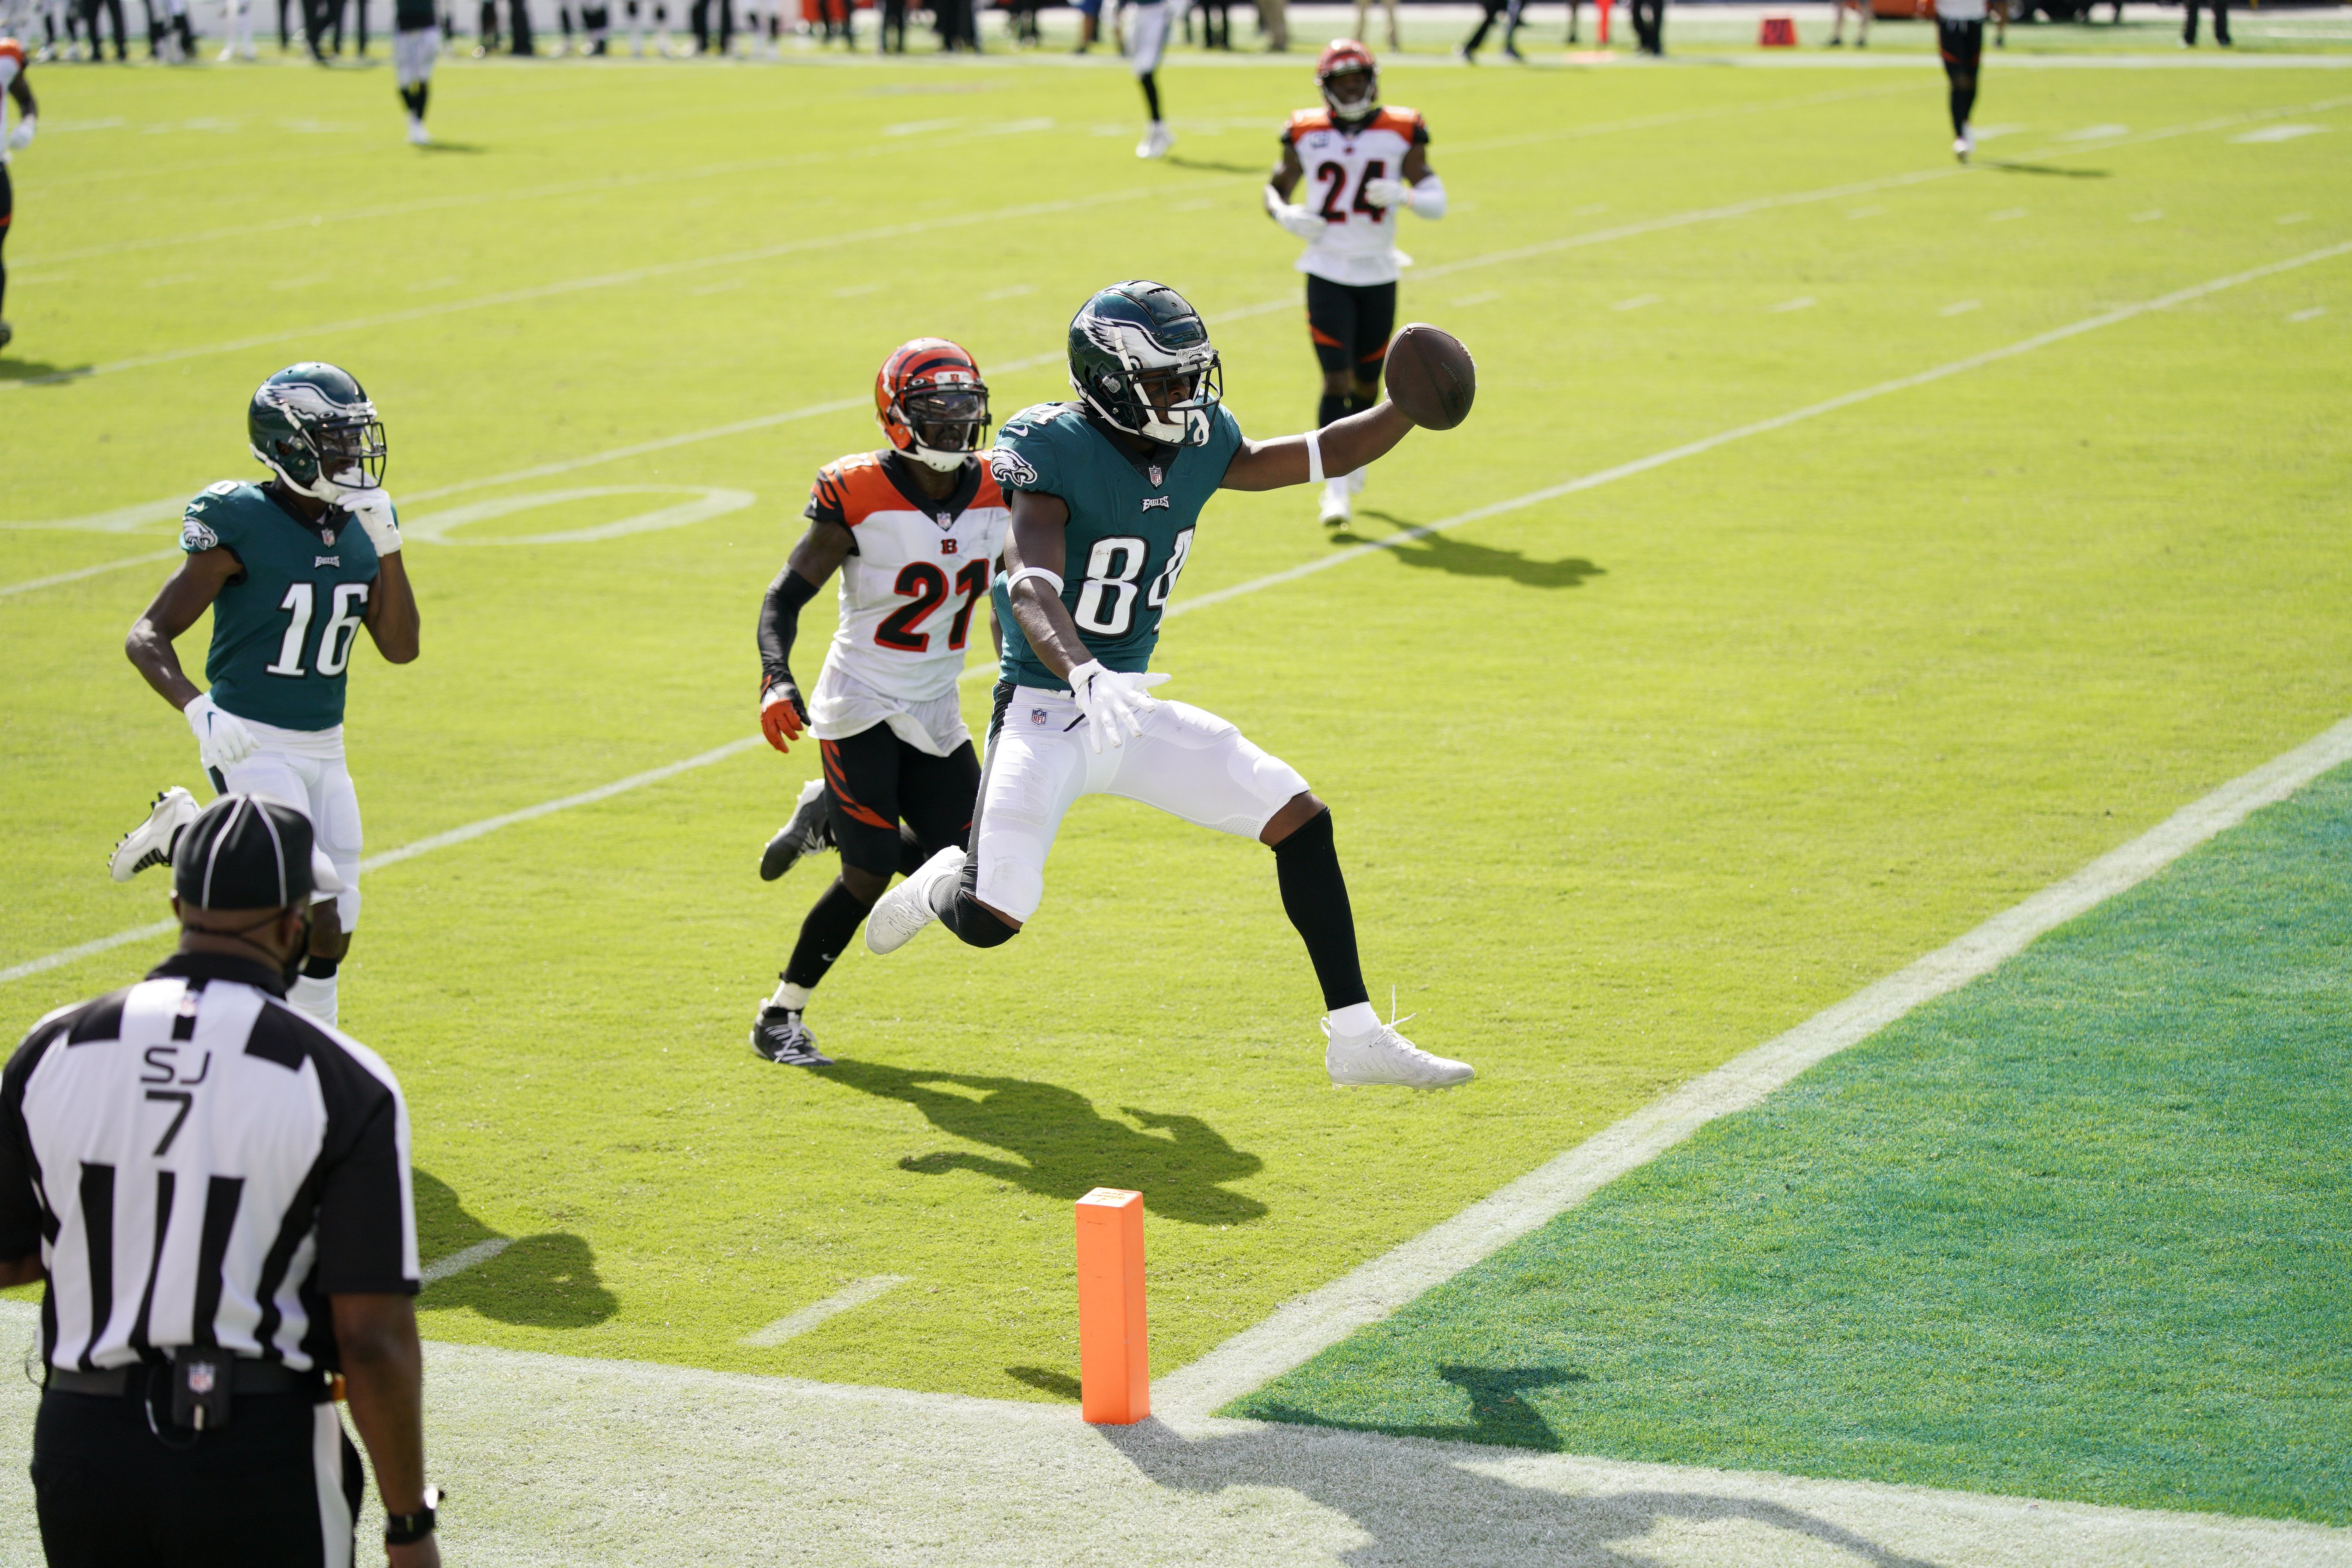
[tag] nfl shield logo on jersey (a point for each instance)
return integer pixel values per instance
(1037, 717)
(1157, 472)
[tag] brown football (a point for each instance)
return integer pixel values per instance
(1432, 377)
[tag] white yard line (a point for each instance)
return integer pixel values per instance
(984, 671)
(1367, 1294)
(465, 1257)
(79, 574)
(116, 520)
(798, 1323)
(410, 851)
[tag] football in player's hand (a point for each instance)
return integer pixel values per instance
(1432, 376)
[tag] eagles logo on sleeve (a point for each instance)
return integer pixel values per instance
(195, 533)
(1011, 470)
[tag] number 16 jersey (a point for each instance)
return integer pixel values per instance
(1358, 245)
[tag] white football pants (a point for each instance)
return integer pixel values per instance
(1189, 762)
(304, 769)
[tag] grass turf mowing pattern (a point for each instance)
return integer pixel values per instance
(2075, 1231)
(1624, 783)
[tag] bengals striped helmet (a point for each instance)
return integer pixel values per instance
(1350, 78)
(930, 402)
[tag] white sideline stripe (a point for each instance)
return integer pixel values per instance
(77, 575)
(1596, 236)
(597, 280)
(807, 1317)
(459, 1262)
(1315, 1322)
(410, 851)
(982, 671)
(802, 159)
(1759, 428)
(1076, 203)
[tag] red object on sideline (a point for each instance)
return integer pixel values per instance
(1777, 33)
(1114, 1355)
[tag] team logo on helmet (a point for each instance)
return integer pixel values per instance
(929, 400)
(1142, 359)
(315, 428)
(1350, 80)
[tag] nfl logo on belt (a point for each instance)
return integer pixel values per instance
(1037, 717)
(200, 1377)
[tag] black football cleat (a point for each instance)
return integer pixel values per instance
(780, 1037)
(809, 831)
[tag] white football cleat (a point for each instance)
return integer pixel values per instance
(417, 135)
(1964, 144)
(907, 908)
(1385, 1057)
(1156, 141)
(1335, 502)
(150, 843)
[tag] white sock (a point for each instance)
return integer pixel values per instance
(1356, 1019)
(792, 999)
(316, 997)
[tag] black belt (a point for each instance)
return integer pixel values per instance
(249, 1377)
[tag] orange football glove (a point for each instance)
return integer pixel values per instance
(783, 717)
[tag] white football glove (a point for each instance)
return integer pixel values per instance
(222, 739)
(1387, 193)
(22, 137)
(1293, 217)
(1112, 700)
(373, 510)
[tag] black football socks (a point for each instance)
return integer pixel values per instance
(1315, 897)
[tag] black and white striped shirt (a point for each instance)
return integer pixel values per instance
(199, 1164)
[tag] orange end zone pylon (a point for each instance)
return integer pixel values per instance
(1113, 1360)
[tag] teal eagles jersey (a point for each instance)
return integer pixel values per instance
(284, 625)
(1132, 522)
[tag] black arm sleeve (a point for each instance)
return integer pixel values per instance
(780, 623)
(20, 1209)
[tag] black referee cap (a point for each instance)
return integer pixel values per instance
(243, 852)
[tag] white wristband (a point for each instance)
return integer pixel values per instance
(1038, 572)
(1313, 456)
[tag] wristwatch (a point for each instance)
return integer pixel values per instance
(406, 1529)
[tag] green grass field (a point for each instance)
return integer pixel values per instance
(2073, 1231)
(1627, 780)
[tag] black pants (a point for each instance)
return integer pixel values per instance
(701, 20)
(875, 780)
(2220, 9)
(1962, 47)
(7, 217)
(1650, 26)
(1494, 9)
(894, 27)
(111, 1495)
(112, 9)
(1350, 325)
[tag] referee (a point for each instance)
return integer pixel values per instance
(216, 1189)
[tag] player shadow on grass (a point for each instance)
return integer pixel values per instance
(1214, 167)
(1443, 553)
(1065, 1148)
(40, 373)
(2007, 167)
(545, 1281)
(1420, 1498)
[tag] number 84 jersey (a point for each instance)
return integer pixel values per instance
(916, 576)
(1358, 245)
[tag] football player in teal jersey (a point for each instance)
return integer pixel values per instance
(1105, 492)
(291, 569)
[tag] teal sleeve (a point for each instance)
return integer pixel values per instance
(1024, 458)
(209, 521)
(1224, 437)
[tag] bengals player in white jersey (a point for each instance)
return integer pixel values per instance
(1359, 163)
(916, 531)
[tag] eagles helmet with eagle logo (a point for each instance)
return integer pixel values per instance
(929, 400)
(1350, 80)
(1142, 358)
(315, 429)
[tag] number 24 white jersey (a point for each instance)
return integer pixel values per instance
(1358, 245)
